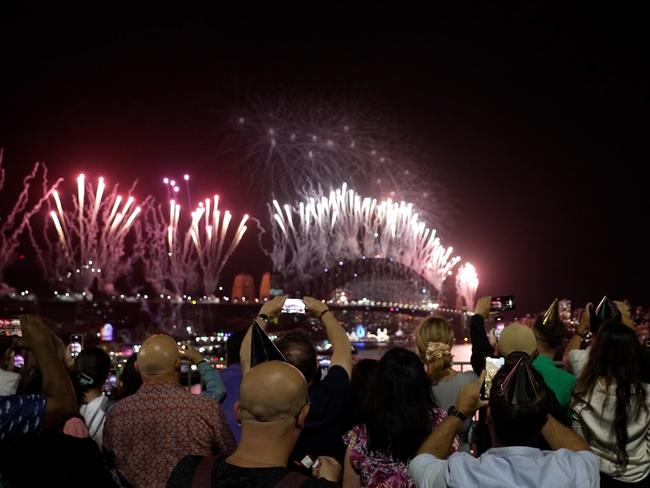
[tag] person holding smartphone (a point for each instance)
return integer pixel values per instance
(324, 428)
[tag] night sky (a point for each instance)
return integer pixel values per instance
(534, 120)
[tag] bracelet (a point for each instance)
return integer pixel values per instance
(263, 317)
(323, 313)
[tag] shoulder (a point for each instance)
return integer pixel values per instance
(572, 459)
(428, 470)
(336, 374)
(357, 436)
(467, 376)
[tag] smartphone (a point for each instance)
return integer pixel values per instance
(497, 331)
(19, 361)
(503, 303)
(492, 365)
(294, 305)
(185, 367)
(111, 383)
(76, 344)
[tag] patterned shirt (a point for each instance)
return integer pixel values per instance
(151, 430)
(378, 469)
(21, 414)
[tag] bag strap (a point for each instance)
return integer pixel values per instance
(291, 480)
(203, 474)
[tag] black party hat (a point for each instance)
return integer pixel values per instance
(262, 348)
(520, 387)
(551, 317)
(604, 311)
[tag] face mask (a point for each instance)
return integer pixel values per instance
(8, 382)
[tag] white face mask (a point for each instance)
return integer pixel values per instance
(8, 382)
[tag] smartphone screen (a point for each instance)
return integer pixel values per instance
(185, 367)
(293, 305)
(497, 331)
(492, 365)
(19, 361)
(76, 344)
(500, 304)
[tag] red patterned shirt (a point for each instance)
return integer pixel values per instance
(151, 430)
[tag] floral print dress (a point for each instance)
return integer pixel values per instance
(377, 469)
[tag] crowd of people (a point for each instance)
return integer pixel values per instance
(547, 413)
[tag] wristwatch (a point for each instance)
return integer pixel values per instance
(454, 412)
(263, 317)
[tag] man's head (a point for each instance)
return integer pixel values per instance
(517, 338)
(549, 336)
(92, 367)
(518, 405)
(273, 394)
(296, 347)
(158, 359)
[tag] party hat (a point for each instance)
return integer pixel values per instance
(604, 311)
(262, 348)
(552, 315)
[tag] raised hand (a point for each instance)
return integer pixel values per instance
(483, 307)
(316, 307)
(273, 307)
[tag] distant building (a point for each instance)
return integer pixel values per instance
(265, 286)
(243, 288)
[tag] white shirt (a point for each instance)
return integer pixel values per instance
(94, 414)
(595, 426)
(8, 382)
(577, 359)
(505, 467)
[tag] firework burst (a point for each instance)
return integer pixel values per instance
(323, 230)
(89, 235)
(467, 284)
(24, 208)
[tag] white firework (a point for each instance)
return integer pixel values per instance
(187, 255)
(324, 230)
(467, 284)
(90, 237)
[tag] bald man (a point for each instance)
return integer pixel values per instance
(272, 409)
(147, 433)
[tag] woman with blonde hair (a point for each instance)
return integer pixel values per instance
(434, 339)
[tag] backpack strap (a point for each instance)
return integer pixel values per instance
(291, 480)
(203, 474)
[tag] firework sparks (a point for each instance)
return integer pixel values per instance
(296, 147)
(467, 284)
(325, 230)
(17, 220)
(90, 236)
(180, 249)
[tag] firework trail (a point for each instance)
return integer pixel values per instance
(467, 284)
(22, 211)
(324, 230)
(178, 250)
(290, 149)
(89, 238)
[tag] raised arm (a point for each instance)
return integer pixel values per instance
(269, 310)
(560, 436)
(341, 348)
(57, 387)
(580, 332)
(469, 400)
(211, 381)
(481, 347)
